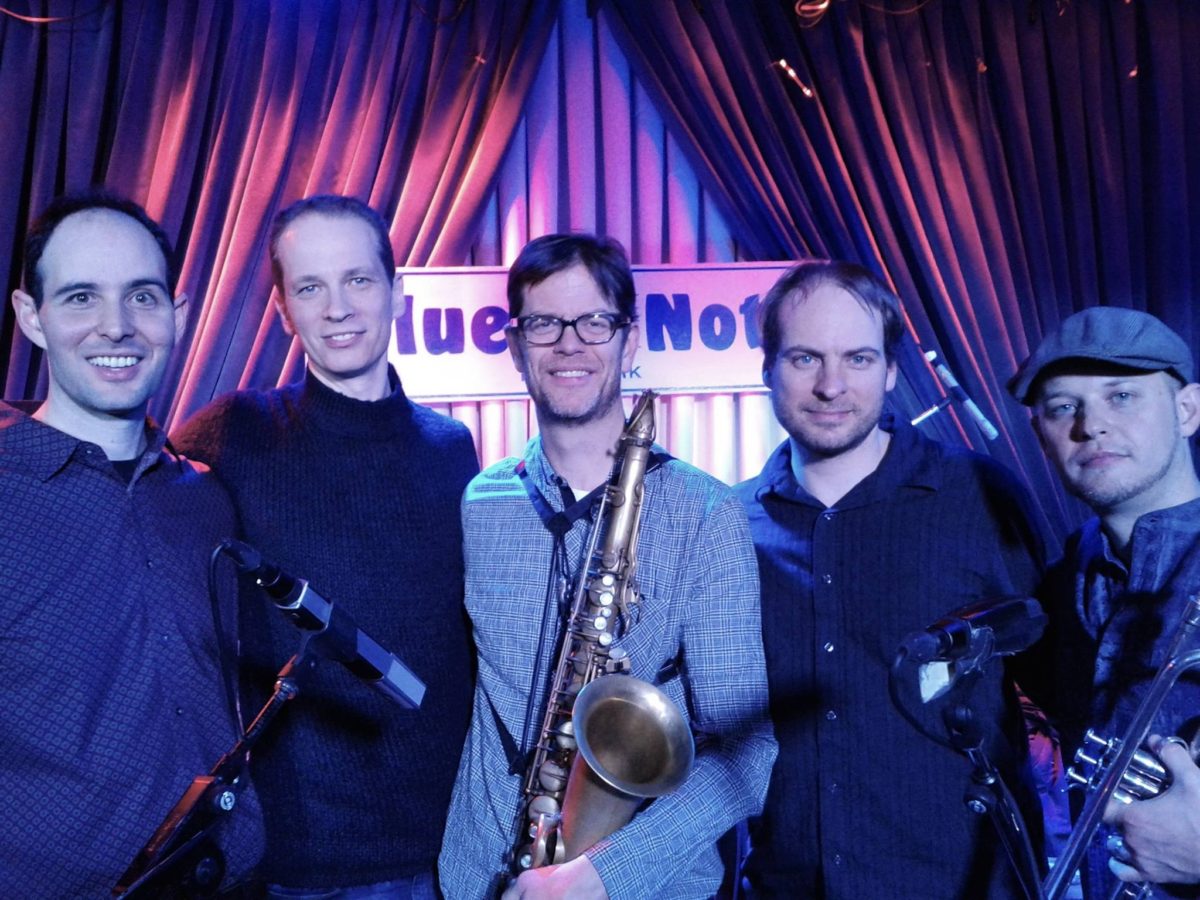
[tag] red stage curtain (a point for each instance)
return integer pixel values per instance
(214, 114)
(1003, 163)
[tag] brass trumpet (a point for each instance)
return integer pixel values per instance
(1119, 768)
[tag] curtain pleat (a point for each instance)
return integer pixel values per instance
(216, 114)
(1004, 164)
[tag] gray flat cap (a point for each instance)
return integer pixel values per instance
(1124, 337)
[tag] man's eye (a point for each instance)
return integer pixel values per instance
(305, 289)
(860, 360)
(143, 298)
(1060, 410)
(1122, 397)
(360, 280)
(800, 360)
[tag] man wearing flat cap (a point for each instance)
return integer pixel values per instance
(1114, 405)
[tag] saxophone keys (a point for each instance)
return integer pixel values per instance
(543, 806)
(564, 737)
(552, 776)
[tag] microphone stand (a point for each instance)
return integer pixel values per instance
(986, 792)
(183, 851)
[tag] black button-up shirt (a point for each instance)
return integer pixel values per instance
(862, 805)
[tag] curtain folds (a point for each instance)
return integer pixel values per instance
(1004, 164)
(216, 114)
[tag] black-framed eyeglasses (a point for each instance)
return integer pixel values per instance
(593, 328)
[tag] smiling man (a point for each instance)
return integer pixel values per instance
(343, 480)
(1115, 406)
(696, 634)
(114, 698)
(867, 531)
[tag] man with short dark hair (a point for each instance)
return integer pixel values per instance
(343, 480)
(866, 531)
(694, 633)
(1114, 404)
(114, 691)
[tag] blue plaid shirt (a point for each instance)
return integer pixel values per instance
(700, 608)
(1111, 628)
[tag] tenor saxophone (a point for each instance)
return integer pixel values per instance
(606, 744)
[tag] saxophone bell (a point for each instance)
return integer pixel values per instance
(633, 745)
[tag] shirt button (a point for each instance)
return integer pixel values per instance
(830, 714)
(834, 787)
(826, 578)
(828, 646)
(837, 859)
(829, 514)
(179, 710)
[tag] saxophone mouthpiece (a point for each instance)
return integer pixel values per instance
(640, 426)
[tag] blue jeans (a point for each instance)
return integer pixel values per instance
(418, 887)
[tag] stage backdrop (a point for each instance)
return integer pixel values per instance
(1002, 164)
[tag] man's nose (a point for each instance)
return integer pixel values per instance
(338, 308)
(569, 341)
(1090, 422)
(830, 382)
(116, 322)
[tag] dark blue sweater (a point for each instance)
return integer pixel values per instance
(362, 499)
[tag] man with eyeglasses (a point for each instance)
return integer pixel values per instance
(696, 635)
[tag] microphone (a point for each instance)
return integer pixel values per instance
(956, 391)
(340, 637)
(985, 629)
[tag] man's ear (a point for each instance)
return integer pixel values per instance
(1037, 429)
(766, 375)
(281, 305)
(181, 314)
(399, 301)
(515, 350)
(1187, 404)
(630, 348)
(28, 318)
(892, 372)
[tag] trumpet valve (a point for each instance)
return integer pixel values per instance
(1144, 777)
(1075, 780)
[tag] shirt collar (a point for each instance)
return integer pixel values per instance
(1155, 526)
(378, 419)
(44, 451)
(904, 464)
(538, 467)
